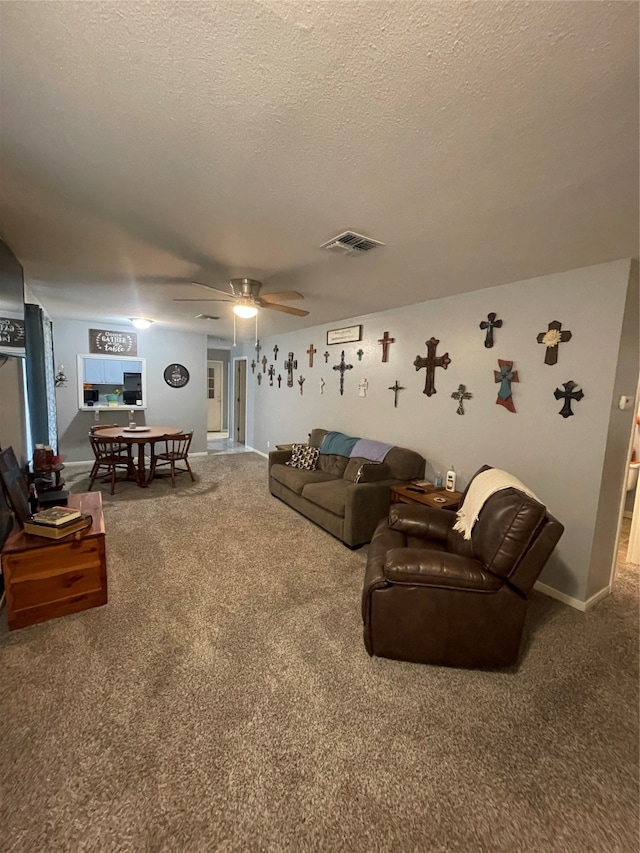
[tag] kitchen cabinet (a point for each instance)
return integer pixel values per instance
(107, 373)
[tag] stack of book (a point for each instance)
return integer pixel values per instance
(57, 522)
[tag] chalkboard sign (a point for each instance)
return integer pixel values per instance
(112, 343)
(11, 332)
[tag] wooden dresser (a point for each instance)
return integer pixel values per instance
(47, 578)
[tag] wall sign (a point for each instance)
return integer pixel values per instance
(11, 332)
(344, 336)
(112, 343)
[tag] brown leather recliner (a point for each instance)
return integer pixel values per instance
(430, 596)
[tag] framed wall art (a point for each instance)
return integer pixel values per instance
(348, 335)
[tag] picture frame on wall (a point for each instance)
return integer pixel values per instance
(348, 335)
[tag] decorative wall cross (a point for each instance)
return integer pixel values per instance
(461, 395)
(385, 340)
(360, 353)
(430, 362)
(322, 384)
(253, 366)
(311, 352)
(259, 378)
(326, 357)
(363, 386)
(342, 367)
(490, 324)
(258, 348)
(275, 352)
(301, 383)
(551, 338)
(271, 373)
(395, 388)
(568, 394)
(264, 364)
(279, 380)
(290, 365)
(505, 376)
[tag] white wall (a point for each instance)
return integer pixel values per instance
(184, 408)
(562, 460)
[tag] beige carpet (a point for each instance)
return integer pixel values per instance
(223, 701)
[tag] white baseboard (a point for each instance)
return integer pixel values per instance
(259, 452)
(583, 606)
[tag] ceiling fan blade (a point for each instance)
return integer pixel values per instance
(204, 299)
(283, 296)
(211, 287)
(285, 309)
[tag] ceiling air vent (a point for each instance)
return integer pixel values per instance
(350, 243)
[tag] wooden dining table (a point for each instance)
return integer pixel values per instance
(140, 436)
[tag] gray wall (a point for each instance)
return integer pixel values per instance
(223, 355)
(184, 408)
(562, 460)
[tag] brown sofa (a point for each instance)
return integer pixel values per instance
(346, 496)
(430, 596)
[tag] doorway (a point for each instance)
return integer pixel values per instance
(239, 399)
(215, 396)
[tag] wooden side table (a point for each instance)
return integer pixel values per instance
(433, 496)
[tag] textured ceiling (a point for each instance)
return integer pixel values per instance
(148, 143)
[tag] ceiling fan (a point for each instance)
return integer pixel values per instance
(245, 294)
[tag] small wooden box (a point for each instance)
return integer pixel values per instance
(47, 578)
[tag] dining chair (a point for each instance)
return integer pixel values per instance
(125, 450)
(173, 449)
(110, 454)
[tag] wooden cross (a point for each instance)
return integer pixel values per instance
(363, 386)
(301, 383)
(568, 394)
(290, 365)
(258, 348)
(253, 366)
(461, 395)
(275, 352)
(395, 388)
(322, 384)
(551, 338)
(310, 352)
(264, 364)
(271, 373)
(259, 378)
(326, 357)
(385, 340)
(342, 367)
(279, 380)
(360, 353)
(505, 376)
(490, 324)
(430, 362)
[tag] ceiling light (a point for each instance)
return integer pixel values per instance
(141, 322)
(245, 308)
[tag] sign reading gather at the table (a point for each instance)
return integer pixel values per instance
(112, 343)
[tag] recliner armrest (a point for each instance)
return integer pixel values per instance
(418, 520)
(424, 567)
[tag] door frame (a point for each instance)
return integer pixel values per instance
(239, 398)
(219, 361)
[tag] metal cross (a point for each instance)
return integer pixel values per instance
(342, 367)
(253, 366)
(461, 395)
(568, 394)
(551, 338)
(322, 384)
(326, 357)
(360, 353)
(363, 387)
(505, 376)
(385, 340)
(430, 362)
(290, 365)
(258, 348)
(490, 324)
(271, 373)
(395, 388)
(301, 383)
(275, 352)
(279, 380)
(264, 364)
(259, 378)
(310, 352)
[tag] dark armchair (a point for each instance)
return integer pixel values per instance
(430, 596)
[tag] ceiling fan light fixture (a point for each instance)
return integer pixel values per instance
(245, 308)
(141, 322)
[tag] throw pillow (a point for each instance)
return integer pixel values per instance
(303, 456)
(372, 472)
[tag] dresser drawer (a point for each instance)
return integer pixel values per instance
(53, 559)
(29, 593)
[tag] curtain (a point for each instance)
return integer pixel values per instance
(40, 376)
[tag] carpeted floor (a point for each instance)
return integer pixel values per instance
(223, 701)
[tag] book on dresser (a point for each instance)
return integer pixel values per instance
(59, 532)
(56, 516)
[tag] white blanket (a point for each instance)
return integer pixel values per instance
(481, 488)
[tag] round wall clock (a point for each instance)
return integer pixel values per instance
(176, 375)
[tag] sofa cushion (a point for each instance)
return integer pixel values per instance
(330, 495)
(332, 464)
(303, 456)
(297, 478)
(361, 470)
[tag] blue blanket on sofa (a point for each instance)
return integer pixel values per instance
(338, 443)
